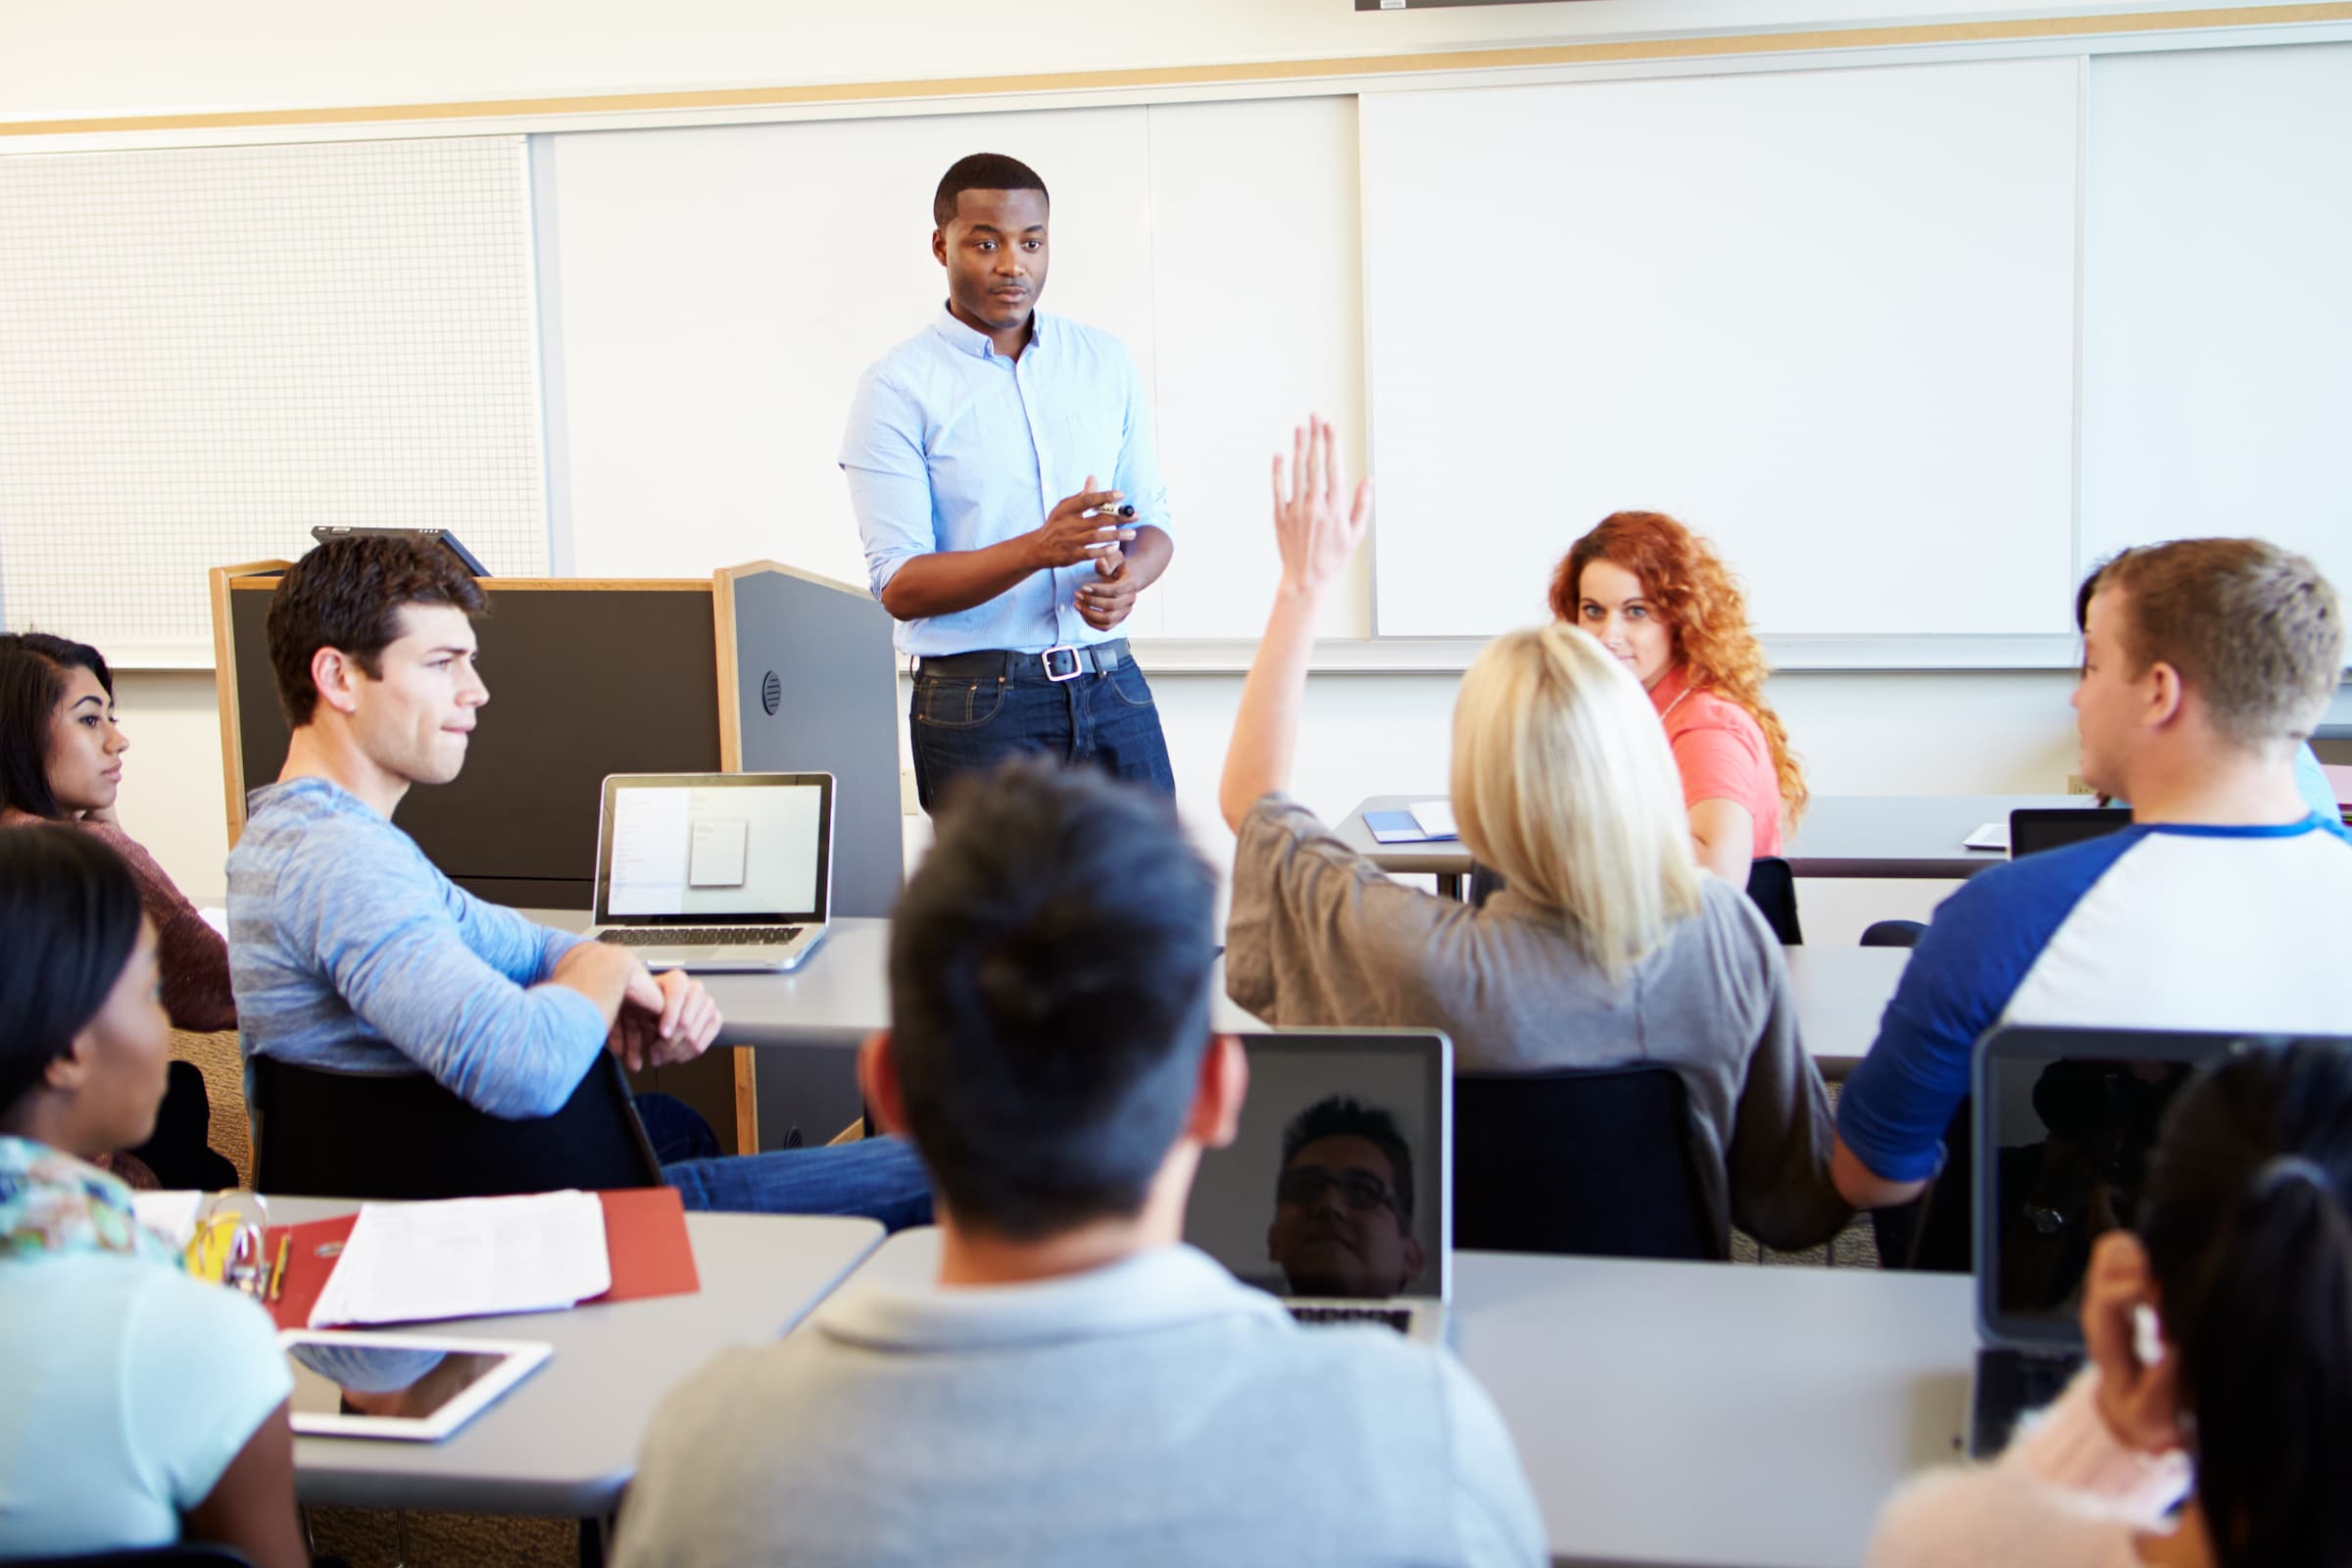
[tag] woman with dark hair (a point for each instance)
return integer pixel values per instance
(61, 761)
(2219, 1341)
(1667, 608)
(138, 1406)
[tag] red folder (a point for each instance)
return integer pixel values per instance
(645, 1239)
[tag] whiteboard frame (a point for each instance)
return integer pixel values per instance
(2148, 30)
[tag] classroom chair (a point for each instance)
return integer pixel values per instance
(1771, 888)
(325, 1133)
(1591, 1161)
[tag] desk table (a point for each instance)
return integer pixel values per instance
(565, 1441)
(1696, 1414)
(1908, 836)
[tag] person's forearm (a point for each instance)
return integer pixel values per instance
(948, 580)
(1265, 732)
(1148, 555)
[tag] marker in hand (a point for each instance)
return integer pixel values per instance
(1125, 509)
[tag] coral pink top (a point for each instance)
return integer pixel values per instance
(1720, 751)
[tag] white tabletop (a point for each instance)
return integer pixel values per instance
(1693, 1413)
(1917, 836)
(565, 1441)
(1714, 1413)
(842, 994)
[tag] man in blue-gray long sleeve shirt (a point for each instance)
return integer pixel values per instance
(349, 949)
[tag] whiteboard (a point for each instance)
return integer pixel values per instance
(1825, 317)
(720, 291)
(2217, 301)
(208, 351)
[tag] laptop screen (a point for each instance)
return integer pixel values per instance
(714, 848)
(2035, 828)
(1361, 1206)
(2065, 1119)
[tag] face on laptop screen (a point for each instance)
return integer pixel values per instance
(1357, 1208)
(735, 851)
(2073, 1136)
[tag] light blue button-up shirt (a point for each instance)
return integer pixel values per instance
(952, 445)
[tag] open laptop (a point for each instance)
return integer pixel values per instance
(1339, 1232)
(431, 536)
(2064, 1121)
(2035, 828)
(718, 871)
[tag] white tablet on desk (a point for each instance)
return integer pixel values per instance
(404, 1385)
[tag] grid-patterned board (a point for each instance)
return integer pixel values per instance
(206, 352)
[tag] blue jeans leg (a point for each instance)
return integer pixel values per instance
(876, 1178)
(962, 726)
(1121, 734)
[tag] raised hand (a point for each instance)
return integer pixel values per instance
(1314, 536)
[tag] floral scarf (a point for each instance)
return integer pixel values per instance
(52, 1203)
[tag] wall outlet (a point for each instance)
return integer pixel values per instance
(2076, 786)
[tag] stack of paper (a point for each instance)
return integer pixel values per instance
(467, 1257)
(1436, 819)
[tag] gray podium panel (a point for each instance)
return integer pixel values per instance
(817, 689)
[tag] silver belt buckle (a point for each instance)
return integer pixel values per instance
(1046, 659)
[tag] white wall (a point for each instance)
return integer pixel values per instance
(73, 58)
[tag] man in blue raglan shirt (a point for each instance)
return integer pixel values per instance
(349, 949)
(2223, 906)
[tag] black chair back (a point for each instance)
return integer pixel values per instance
(324, 1133)
(1592, 1160)
(1771, 888)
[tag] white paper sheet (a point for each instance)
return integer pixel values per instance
(170, 1214)
(719, 849)
(1991, 836)
(1436, 819)
(467, 1257)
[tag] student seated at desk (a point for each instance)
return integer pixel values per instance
(1607, 947)
(1667, 608)
(61, 761)
(2222, 905)
(350, 950)
(2242, 1257)
(138, 1406)
(1079, 1386)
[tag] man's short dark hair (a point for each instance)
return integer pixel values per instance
(982, 172)
(34, 669)
(347, 593)
(1340, 1116)
(1048, 996)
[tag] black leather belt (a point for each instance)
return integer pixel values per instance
(1063, 661)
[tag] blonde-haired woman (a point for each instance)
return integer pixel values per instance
(1607, 946)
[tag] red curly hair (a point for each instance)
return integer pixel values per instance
(1689, 585)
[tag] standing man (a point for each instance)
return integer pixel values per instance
(973, 453)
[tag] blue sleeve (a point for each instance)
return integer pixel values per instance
(1138, 476)
(201, 1373)
(523, 950)
(1977, 951)
(882, 453)
(375, 917)
(2311, 781)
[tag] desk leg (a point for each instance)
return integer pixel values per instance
(596, 1542)
(1450, 884)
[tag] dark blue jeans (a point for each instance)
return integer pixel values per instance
(967, 725)
(878, 1178)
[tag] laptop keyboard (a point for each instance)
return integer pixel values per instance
(1397, 1318)
(714, 936)
(2011, 1383)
